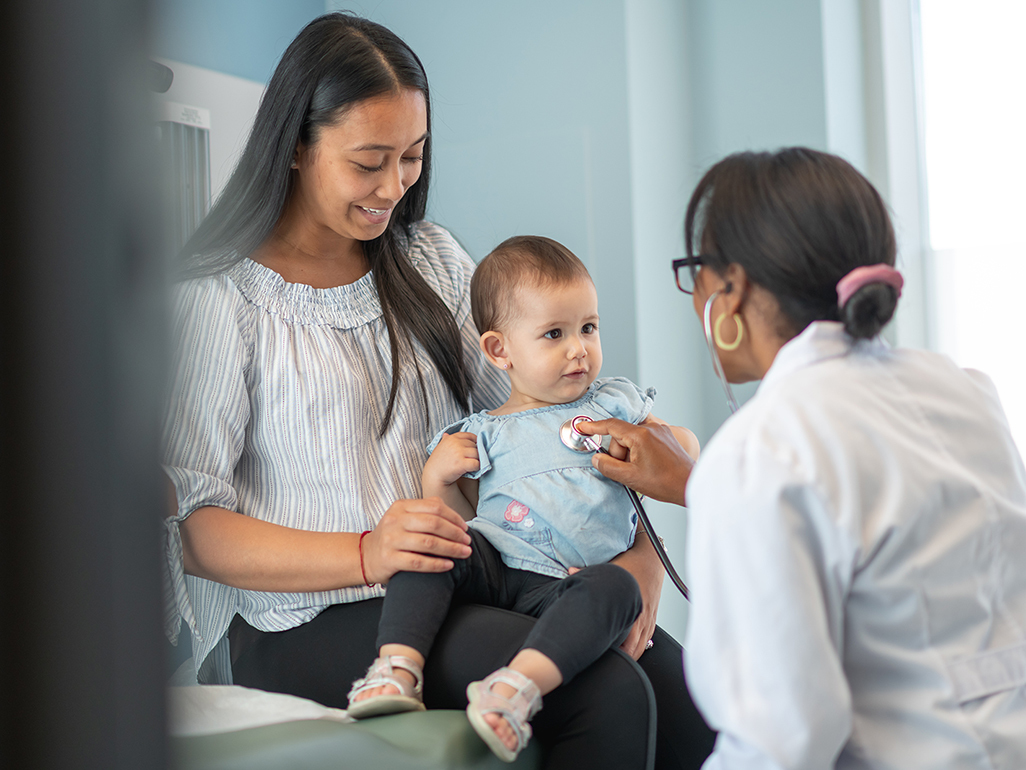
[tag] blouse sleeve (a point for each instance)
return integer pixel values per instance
(455, 427)
(622, 399)
(204, 430)
(768, 582)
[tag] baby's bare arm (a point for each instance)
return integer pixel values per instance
(443, 474)
(684, 437)
(687, 439)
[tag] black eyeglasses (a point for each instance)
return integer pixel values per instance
(684, 270)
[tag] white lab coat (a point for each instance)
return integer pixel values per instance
(857, 561)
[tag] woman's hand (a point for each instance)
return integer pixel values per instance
(241, 551)
(414, 536)
(643, 563)
(648, 458)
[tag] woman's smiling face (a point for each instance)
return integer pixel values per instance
(350, 179)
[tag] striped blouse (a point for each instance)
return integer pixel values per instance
(276, 398)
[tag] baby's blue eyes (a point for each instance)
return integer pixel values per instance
(555, 334)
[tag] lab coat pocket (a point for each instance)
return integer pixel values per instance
(990, 690)
(988, 673)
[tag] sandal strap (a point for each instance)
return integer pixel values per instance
(517, 709)
(382, 672)
(526, 700)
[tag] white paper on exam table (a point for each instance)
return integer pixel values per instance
(209, 709)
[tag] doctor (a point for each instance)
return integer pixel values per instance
(857, 532)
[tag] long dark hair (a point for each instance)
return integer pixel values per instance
(797, 221)
(335, 62)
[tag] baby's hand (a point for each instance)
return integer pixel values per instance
(454, 456)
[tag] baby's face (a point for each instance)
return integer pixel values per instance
(553, 344)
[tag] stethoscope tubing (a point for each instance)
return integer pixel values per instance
(578, 442)
(711, 344)
(653, 537)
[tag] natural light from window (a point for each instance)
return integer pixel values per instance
(974, 78)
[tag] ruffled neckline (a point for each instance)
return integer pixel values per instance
(342, 307)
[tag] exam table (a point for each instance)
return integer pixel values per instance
(236, 728)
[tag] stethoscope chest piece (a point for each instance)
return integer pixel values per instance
(576, 440)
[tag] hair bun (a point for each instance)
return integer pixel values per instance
(869, 309)
(867, 297)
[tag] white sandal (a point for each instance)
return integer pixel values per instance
(381, 673)
(517, 710)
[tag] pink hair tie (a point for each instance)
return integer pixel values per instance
(867, 274)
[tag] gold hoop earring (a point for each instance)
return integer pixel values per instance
(728, 346)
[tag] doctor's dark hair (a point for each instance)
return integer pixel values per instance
(336, 61)
(797, 221)
(518, 262)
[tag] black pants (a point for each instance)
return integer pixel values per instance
(579, 617)
(604, 718)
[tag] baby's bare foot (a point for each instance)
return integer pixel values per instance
(498, 723)
(502, 730)
(386, 689)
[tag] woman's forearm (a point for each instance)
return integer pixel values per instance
(248, 553)
(642, 561)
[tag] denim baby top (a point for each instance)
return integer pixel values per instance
(540, 503)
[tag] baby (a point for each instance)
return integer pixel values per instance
(544, 524)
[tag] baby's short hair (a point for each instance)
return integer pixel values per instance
(522, 260)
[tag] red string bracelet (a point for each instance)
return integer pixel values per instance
(363, 571)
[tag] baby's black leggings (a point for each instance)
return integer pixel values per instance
(579, 617)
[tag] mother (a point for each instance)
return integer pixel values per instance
(324, 337)
(857, 530)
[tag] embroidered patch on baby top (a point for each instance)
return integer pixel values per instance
(516, 511)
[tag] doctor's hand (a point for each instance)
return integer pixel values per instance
(648, 458)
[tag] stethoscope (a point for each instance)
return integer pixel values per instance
(579, 442)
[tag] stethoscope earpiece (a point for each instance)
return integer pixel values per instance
(717, 366)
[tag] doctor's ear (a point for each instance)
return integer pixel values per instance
(736, 283)
(493, 345)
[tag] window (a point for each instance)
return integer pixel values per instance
(974, 97)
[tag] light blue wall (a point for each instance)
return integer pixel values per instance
(244, 38)
(757, 76)
(659, 98)
(531, 131)
(769, 75)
